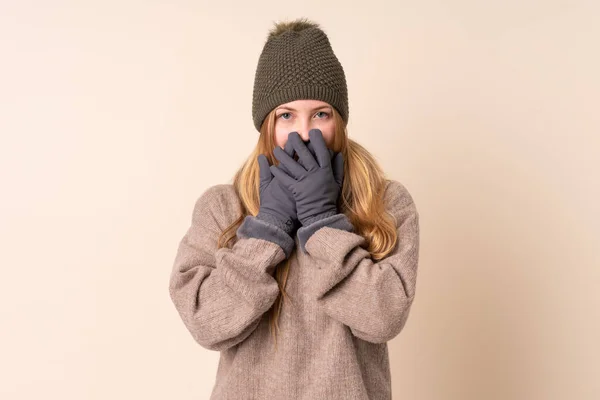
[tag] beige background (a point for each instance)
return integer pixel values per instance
(116, 115)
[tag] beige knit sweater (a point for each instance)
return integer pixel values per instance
(332, 342)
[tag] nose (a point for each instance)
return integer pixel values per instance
(303, 127)
(304, 134)
(304, 137)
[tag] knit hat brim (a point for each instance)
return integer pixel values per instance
(305, 92)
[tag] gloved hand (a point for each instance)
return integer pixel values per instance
(277, 205)
(315, 181)
(289, 149)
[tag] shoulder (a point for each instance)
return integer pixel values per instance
(223, 192)
(397, 196)
(400, 204)
(219, 203)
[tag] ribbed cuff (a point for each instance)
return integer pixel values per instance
(316, 218)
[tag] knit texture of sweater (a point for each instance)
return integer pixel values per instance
(333, 334)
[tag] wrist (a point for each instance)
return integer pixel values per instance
(317, 217)
(283, 223)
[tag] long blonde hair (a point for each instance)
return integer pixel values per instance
(361, 199)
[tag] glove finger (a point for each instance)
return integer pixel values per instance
(311, 147)
(308, 161)
(322, 154)
(265, 173)
(294, 169)
(284, 179)
(338, 168)
(284, 168)
(289, 150)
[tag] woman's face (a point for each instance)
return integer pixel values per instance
(301, 116)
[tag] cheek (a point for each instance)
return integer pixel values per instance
(280, 137)
(328, 133)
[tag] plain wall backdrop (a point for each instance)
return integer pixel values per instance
(115, 116)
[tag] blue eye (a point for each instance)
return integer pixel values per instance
(283, 115)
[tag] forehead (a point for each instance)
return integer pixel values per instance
(305, 104)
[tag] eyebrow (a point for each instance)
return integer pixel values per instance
(314, 109)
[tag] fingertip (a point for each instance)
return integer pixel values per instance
(261, 159)
(263, 168)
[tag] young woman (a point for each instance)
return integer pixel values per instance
(303, 269)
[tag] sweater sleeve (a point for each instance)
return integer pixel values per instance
(372, 298)
(221, 294)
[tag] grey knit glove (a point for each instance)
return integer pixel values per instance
(315, 181)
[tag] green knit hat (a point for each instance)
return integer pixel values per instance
(297, 62)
